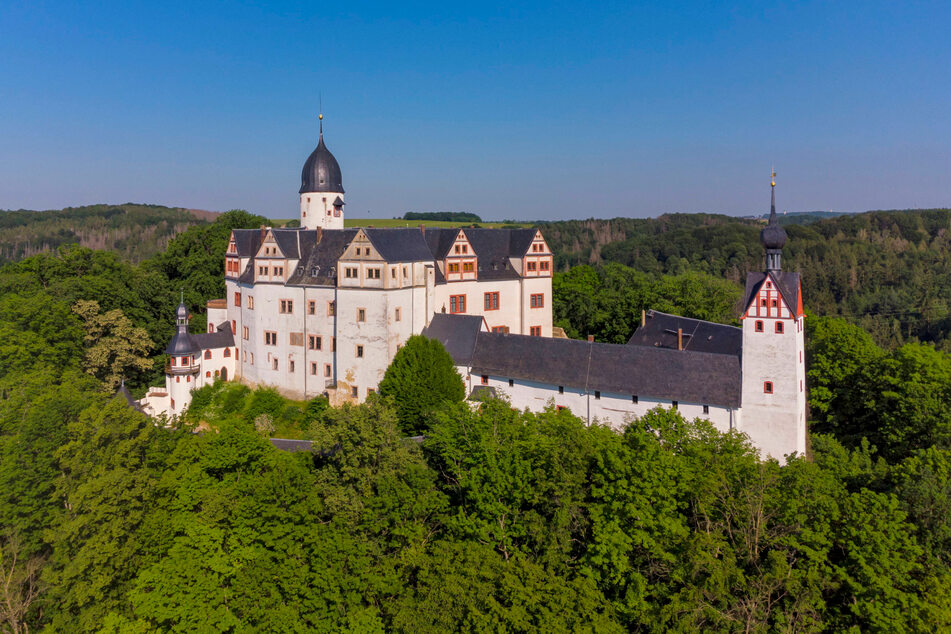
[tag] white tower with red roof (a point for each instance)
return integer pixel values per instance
(774, 371)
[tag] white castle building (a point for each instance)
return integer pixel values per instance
(322, 310)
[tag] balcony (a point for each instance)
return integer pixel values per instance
(181, 370)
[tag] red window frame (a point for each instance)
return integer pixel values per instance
(491, 301)
(485, 379)
(207, 354)
(537, 300)
(535, 331)
(237, 299)
(758, 326)
(767, 387)
(779, 328)
(457, 304)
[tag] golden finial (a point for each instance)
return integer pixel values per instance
(772, 178)
(321, 116)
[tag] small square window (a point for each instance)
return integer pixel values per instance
(561, 389)
(597, 395)
(779, 327)
(634, 398)
(759, 326)
(485, 379)
(674, 405)
(706, 409)
(355, 391)
(359, 352)
(767, 387)
(511, 383)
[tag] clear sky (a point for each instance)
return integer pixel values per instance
(528, 111)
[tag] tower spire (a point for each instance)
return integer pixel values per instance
(773, 236)
(320, 118)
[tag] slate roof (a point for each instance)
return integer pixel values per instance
(221, 338)
(786, 283)
(290, 240)
(660, 331)
(645, 371)
(400, 245)
(457, 333)
(318, 263)
(321, 172)
(440, 240)
(247, 241)
(182, 344)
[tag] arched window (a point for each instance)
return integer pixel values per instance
(227, 352)
(208, 374)
(207, 354)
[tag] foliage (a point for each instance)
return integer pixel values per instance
(421, 376)
(607, 301)
(445, 216)
(114, 347)
(135, 232)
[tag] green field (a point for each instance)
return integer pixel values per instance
(396, 222)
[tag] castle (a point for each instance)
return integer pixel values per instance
(322, 309)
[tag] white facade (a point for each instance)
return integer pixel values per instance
(774, 373)
(317, 209)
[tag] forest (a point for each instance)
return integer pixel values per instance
(135, 232)
(417, 512)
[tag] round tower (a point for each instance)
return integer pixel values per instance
(181, 371)
(321, 189)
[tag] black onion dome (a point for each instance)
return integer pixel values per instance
(773, 236)
(321, 171)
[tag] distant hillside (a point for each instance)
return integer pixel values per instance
(889, 271)
(135, 232)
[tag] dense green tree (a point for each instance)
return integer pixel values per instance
(421, 376)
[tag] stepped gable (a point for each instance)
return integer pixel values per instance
(689, 376)
(319, 265)
(457, 333)
(788, 285)
(399, 245)
(660, 331)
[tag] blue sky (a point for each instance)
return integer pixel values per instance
(528, 111)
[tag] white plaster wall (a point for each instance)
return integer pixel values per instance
(510, 308)
(613, 410)
(774, 422)
(314, 207)
(372, 334)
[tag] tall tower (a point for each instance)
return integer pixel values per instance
(321, 189)
(181, 373)
(773, 405)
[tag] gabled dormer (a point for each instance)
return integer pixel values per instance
(537, 258)
(461, 262)
(361, 263)
(233, 266)
(270, 263)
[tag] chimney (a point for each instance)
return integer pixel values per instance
(263, 232)
(590, 338)
(320, 234)
(680, 338)
(422, 229)
(643, 318)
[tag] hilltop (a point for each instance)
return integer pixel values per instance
(134, 231)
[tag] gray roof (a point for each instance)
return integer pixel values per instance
(221, 338)
(247, 241)
(182, 344)
(786, 283)
(321, 171)
(399, 245)
(645, 371)
(660, 331)
(493, 248)
(318, 262)
(457, 333)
